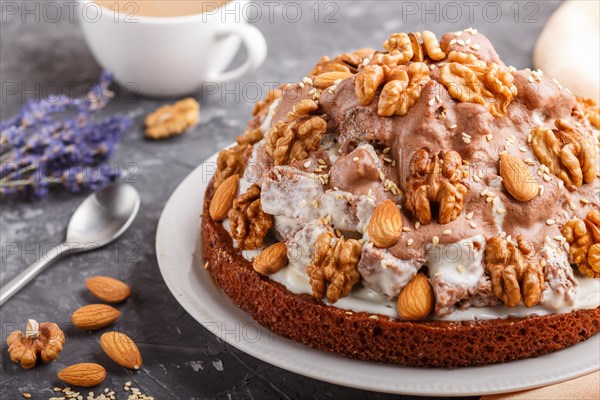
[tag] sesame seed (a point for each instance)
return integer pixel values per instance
(466, 140)
(472, 224)
(410, 242)
(355, 159)
(502, 234)
(435, 240)
(406, 229)
(501, 211)
(387, 150)
(454, 126)
(27, 395)
(447, 232)
(584, 201)
(543, 262)
(550, 221)
(307, 164)
(373, 316)
(475, 46)
(321, 161)
(453, 41)
(470, 215)
(489, 199)
(431, 102)
(488, 137)
(522, 149)
(432, 67)
(460, 42)
(417, 225)
(460, 268)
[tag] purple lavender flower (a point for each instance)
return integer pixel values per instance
(56, 142)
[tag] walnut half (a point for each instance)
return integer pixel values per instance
(584, 243)
(299, 134)
(40, 339)
(436, 178)
(332, 270)
(404, 90)
(172, 119)
(468, 79)
(514, 271)
(249, 223)
(567, 153)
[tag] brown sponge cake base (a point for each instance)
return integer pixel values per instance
(417, 344)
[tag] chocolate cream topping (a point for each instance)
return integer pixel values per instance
(362, 147)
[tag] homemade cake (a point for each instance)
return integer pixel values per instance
(423, 204)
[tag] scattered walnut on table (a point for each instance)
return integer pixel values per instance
(172, 119)
(515, 273)
(249, 223)
(332, 269)
(300, 133)
(467, 79)
(40, 339)
(436, 178)
(400, 94)
(584, 243)
(567, 153)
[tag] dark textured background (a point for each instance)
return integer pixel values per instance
(181, 359)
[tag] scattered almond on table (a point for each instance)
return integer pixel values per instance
(95, 316)
(46, 340)
(83, 374)
(108, 289)
(121, 349)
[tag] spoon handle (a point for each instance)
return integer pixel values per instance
(30, 272)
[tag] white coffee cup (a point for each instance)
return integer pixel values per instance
(171, 56)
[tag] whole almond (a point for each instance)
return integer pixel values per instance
(416, 299)
(327, 79)
(94, 316)
(121, 349)
(222, 201)
(83, 375)
(271, 259)
(108, 289)
(385, 227)
(517, 179)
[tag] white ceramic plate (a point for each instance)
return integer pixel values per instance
(177, 239)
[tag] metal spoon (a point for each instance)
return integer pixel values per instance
(101, 218)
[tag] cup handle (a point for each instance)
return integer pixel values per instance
(256, 45)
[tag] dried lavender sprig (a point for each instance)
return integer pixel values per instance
(48, 148)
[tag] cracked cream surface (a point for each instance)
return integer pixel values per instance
(362, 153)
